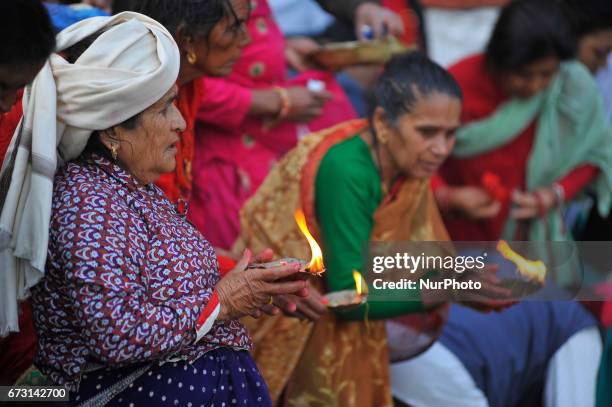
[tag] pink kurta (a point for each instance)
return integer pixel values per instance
(234, 152)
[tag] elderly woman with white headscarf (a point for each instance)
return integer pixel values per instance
(128, 302)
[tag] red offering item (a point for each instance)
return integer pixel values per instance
(494, 186)
(225, 264)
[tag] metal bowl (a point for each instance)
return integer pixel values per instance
(345, 300)
(335, 56)
(520, 287)
(302, 274)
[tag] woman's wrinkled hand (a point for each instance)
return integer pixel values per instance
(529, 205)
(306, 105)
(245, 291)
(311, 307)
(472, 202)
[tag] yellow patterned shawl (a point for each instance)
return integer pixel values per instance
(329, 363)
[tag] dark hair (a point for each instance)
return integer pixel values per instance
(196, 17)
(528, 30)
(28, 37)
(588, 16)
(94, 144)
(406, 79)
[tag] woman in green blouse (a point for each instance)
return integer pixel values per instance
(358, 182)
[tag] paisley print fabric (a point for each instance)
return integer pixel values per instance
(126, 278)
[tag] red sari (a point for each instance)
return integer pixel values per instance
(482, 97)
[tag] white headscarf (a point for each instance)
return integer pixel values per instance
(128, 68)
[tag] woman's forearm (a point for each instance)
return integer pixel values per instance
(577, 179)
(265, 102)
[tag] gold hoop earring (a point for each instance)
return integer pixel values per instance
(191, 57)
(114, 151)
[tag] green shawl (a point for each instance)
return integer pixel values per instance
(572, 130)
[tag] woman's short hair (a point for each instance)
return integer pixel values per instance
(588, 16)
(28, 36)
(529, 30)
(406, 79)
(195, 17)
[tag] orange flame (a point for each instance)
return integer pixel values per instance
(532, 269)
(316, 265)
(360, 285)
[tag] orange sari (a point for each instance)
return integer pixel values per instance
(330, 362)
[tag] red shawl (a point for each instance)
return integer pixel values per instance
(8, 123)
(178, 184)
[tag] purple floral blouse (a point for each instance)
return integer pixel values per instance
(126, 279)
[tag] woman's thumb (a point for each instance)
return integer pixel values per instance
(244, 261)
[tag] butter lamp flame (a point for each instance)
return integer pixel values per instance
(360, 285)
(532, 269)
(316, 265)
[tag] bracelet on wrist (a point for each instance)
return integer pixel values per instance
(540, 203)
(283, 94)
(559, 193)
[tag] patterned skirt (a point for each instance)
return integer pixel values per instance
(222, 377)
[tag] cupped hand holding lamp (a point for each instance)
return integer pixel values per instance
(245, 291)
(489, 297)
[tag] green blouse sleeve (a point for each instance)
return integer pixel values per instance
(347, 194)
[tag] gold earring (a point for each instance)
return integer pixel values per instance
(191, 57)
(114, 150)
(382, 137)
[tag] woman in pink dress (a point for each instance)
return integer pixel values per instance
(248, 120)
